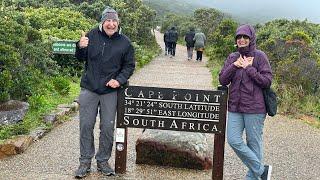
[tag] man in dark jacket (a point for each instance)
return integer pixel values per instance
(109, 62)
(172, 41)
(190, 42)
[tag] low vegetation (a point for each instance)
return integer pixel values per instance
(292, 47)
(29, 71)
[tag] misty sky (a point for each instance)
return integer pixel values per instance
(270, 9)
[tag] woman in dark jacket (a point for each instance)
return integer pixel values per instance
(247, 72)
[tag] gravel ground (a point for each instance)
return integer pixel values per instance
(291, 146)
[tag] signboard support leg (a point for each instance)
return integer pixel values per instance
(121, 154)
(218, 157)
(219, 143)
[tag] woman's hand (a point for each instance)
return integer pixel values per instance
(246, 61)
(238, 63)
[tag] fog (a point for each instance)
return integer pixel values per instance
(266, 10)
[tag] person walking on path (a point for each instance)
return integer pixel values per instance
(190, 42)
(109, 62)
(172, 41)
(199, 43)
(166, 43)
(247, 71)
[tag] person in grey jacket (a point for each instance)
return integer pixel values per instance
(247, 72)
(199, 43)
(109, 62)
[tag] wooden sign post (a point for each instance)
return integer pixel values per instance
(172, 109)
(219, 143)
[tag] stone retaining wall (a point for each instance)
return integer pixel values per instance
(19, 144)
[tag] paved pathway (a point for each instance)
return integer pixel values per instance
(291, 147)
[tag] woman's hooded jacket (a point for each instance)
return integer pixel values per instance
(246, 84)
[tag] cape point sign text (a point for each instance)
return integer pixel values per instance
(171, 109)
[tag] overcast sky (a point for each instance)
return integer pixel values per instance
(270, 9)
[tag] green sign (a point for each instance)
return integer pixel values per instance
(64, 47)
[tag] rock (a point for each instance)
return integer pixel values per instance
(173, 148)
(14, 146)
(75, 106)
(60, 112)
(38, 133)
(55, 116)
(12, 112)
(50, 118)
(21, 143)
(7, 150)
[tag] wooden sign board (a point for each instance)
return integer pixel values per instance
(172, 109)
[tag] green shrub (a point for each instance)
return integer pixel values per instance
(300, 36)
(27, 81)
(144, 54)
(5, 85)
(310, 105)
(221, 41)
(8, 131)
(289, 97)
(61, 85)
(303, 72)
(52, 24)
(9, 60)
(38, 103)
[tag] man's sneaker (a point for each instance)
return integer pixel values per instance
(105, 169)
(82, 170)
(266, 175)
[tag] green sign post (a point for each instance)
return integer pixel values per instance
(64, 47)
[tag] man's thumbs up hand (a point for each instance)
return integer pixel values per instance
(83, 34)
(84, 41)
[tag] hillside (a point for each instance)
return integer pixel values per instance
(173, 6)
(257, 11)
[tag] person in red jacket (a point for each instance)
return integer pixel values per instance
(109, 62)
(247, 71)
